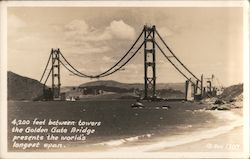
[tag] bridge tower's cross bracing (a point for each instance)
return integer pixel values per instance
(55, 54)
(149, 62)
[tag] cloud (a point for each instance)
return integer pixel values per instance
(107, 59)
(84, 48)
(81, 38)
(121, 30)
(86, 45)
(79, 31)
(78, 25)
(89, 50)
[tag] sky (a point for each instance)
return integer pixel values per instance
(207, 40)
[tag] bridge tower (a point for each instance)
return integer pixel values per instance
(55, 54)
(149, 62)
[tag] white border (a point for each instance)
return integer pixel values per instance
(3, 59)
(246, 87)
(3, 75)
(150, 3)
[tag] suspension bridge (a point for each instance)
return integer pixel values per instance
(150, 40)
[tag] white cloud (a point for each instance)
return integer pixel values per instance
(121, 30)
(79, 31)
(83, 38)
(78, 25)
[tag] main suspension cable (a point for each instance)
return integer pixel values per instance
(70, 70)
(48, 76)
(172, 63)
(123, 56)
(49, 72)
(84, 75)
(45, 67)
(122, 64)
(107, 72)
(175, 56)
(96, 76)
(104, 75)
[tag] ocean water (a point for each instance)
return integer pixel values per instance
(226, 122)
(123, 128)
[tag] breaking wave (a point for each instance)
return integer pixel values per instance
(125, 140)
(232, 121)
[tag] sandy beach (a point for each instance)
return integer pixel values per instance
(223, 135)
(231, 141)
(228, 142)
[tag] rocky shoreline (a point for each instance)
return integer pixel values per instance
(220, 104)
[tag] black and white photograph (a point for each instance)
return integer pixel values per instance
(126, 79)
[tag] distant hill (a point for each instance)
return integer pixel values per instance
(23, 88)
(127, 86)
(169, 90)
(109, 86)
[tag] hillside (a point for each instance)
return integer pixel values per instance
(232, 92)
(23, 88)
(124, 87)
(108, 83)
(125, 90)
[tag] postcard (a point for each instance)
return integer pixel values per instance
(124, 79)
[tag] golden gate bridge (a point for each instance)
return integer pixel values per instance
(149, 43)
